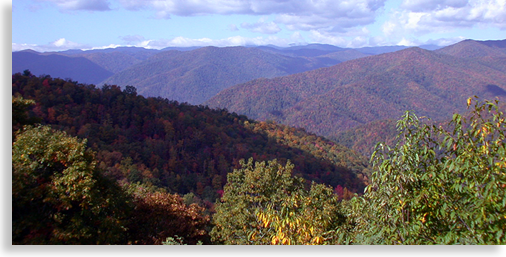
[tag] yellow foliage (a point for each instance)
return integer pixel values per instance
(292, 229)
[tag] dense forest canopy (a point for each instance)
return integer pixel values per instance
(108, 166)
(331, 100)
(180, 147)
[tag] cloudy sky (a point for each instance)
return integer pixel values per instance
(54, 25)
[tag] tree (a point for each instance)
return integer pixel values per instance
(20, 116)
(263, 203)
(159, 215)
(439, 184)
(130, 90)
(58, 194)
(303, 217)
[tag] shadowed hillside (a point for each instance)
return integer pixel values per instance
(180, 147)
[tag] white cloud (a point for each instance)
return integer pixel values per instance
(419, 16)
(262, 26)
(132, 38)
(297, 37)
(341, 23)
(79, 5)
(444, 41)
(431, 5)
(295, 14)
(332, 15)
(233, 27)
(61, 44)
(19, 47)
(405, 42)
(306, 15)
(352, 40)
(165, 8)
(230, 41)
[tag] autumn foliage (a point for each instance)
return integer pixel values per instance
(106, 166)
(179, 147)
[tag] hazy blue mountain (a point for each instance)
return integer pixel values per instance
(197, 75)
(74, 68)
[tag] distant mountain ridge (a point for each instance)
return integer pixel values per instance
(290, 60)
(75, 68)
(328, 100)
(197, 75)
(476, 49)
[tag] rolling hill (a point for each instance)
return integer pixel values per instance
(475, 49)
(188, 74)
(329, 100)
(197, 75)
(115, 59)
(56, 65)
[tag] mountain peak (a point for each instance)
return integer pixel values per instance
(494, 43)
(475, 49)
(29, 51)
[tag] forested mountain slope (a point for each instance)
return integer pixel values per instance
(180, 147)
(333, 99)
(117, 59)
(192, 74)
(195, 76)
(476, 49)
(57, 65)
(363, 138)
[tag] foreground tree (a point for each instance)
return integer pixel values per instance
(159, 215)
(58, 194)
(438, 185)
(20, 107)
(263, 203)
(302, 218)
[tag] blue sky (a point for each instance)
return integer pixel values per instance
(54, 25)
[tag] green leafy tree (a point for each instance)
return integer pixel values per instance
(20, 116)
(438, 185)
(58, 194)
(263, 203)
(303, 217)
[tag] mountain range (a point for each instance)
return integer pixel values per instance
(195, 76)
(57, 65)
(157, 169)
(322, 88)
(333, 99)
(185, 74)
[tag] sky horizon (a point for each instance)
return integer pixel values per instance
(58, 25)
